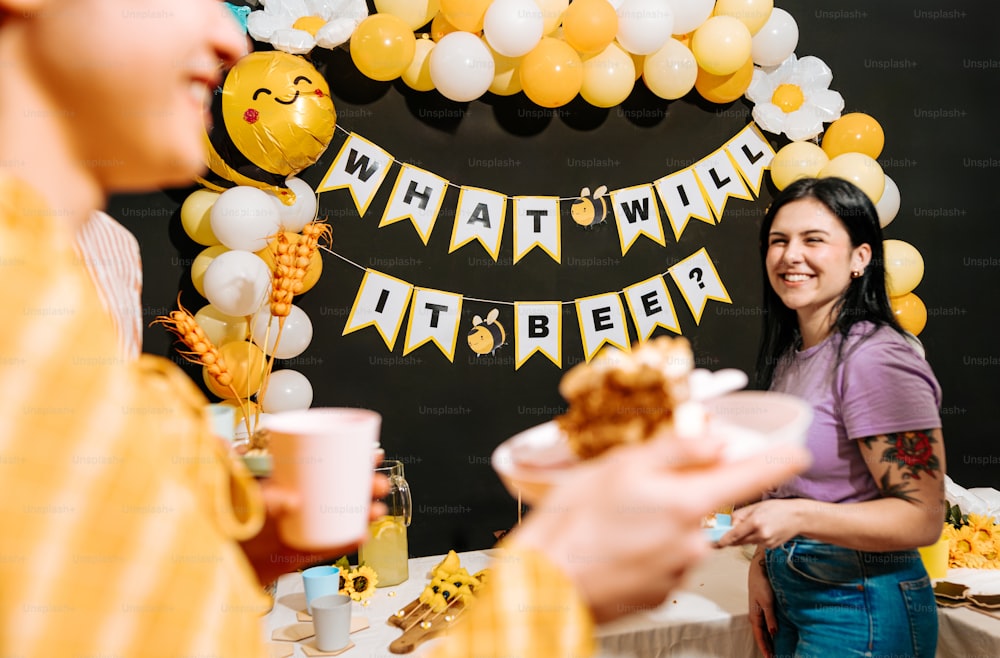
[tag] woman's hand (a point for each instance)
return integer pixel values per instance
(626, 527)
(762, 619)
(270, 557)
(769, 523)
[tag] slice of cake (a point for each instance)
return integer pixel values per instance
(629, 397)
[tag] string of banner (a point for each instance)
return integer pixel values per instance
(700, 192)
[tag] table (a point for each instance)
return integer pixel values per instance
(706, 618)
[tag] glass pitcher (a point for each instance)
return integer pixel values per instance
(386, 550)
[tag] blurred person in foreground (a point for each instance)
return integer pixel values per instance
(837, 572)
(128, 529)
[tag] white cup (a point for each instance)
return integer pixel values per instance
(332, 621)
(325, 454)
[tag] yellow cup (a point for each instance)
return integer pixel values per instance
(935, 558)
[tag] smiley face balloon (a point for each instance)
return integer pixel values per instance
(274, 118)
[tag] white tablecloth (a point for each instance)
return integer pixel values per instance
(706, 618)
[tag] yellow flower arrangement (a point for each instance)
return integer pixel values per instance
(973, 540)
(361, 585)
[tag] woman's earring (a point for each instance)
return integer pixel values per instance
(855, 274)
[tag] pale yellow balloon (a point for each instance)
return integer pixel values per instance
(246, 363)
(860, 169)
(752, 13)
(552, 11)
(671, 71)
(797, 160)
(221, 328)
(640, 62)
(201, 263)
(416, 13)
(195, 213)
(608, 77)
(904, 267)
(466, 15)
(506, 74)
(721, 45)
(417, 75)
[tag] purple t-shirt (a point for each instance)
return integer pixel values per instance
(881, 386)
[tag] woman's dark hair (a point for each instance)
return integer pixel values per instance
(865, 298)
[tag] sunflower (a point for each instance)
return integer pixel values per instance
(346, 581)
(362, 585)
(984, 527)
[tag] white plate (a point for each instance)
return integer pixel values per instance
(531, 462)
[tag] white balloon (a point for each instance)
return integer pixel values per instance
(245, 218)
(644, 26)
(776, 41)
(295, 335)
(295, 217)
(461, 66)
(690, 14)
(888, 203)
(513, 27)
(237, 282)
(287, 390)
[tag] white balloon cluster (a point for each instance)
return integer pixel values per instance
(238, 228)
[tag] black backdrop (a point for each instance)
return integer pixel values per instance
(928, 72)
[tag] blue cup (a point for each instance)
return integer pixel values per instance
(320, 581)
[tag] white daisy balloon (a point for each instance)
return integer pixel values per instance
(795, 97)
(298, 26)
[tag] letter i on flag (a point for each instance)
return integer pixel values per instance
(417, 196)
(537, 328)
(699, 282)
(381, 302)
(434, 317)
(683, 199)
(360, 167)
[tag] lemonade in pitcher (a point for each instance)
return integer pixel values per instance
(386, 549)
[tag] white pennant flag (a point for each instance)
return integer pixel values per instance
(752, 155)
(682, 197)
(480, 216)
(602, 320)
(360, 166)
(719, 178)
(434, 317)
(537, 328)
(698, 281)
(636, 213)
(417, 196)
(381, 302)
(536, 224)
(650, 306)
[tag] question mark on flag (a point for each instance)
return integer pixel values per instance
(696, 273)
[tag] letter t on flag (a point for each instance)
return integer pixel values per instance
(434, 317)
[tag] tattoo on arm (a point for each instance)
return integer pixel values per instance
(897, 490)
(911, 452)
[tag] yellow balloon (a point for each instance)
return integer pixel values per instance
(506, 74)
(608, 77)
(752, 13)
(796, 160)
(417, 75)
(590, 25)
(195, 213)
(552, 73)
(724, 88)
(313, 270)
(201, 263)
(904, 267)
(465, 15)
(219, 327)
(671, 71)
(415, 13)
(251, 408)
(860, 169)
(245, 362)
(552, 13)
(721, 45)
(640, 62)
(382, 46)
(440, 27)
(910, 311)
(854, 133)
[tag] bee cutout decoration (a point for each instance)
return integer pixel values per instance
(273, 118)
(590, 211)
(487, 337)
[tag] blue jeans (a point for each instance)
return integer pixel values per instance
(833, 601)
